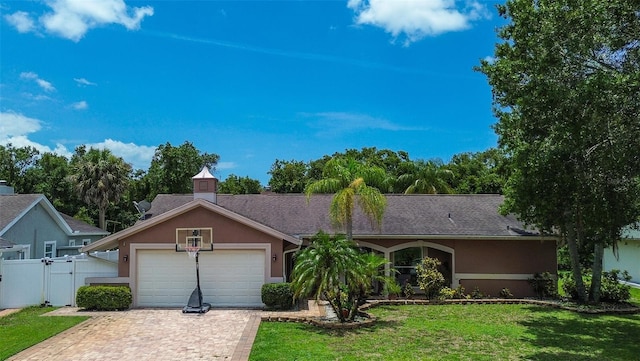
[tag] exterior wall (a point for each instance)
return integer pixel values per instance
(225, 231)
(66, 250)
(34, 228)
(489, 265)
(509, 256)
(628, 258)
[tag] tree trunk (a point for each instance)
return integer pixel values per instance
(336, 304)
(102, 215)
(596, 277)
(349, 230)
(572, 244)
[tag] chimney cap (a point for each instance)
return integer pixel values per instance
(204, 174)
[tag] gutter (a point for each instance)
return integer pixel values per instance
(445, 237)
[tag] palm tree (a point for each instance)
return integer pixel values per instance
(427, 177)
(352, 182)
(333, 268)
(100, 178)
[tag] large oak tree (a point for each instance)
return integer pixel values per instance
(566, 88)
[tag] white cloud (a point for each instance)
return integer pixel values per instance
(45, 85)
(15, 129)
(81, 105)
(138, 155)
(15, 124)
(83, 81)
(416, 18)
(21, 21)
(226, 165)
(72, 19)
(333, 123)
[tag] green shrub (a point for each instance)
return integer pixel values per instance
(277, 295)
(392, 288)
(544, 285)
(447, 293)
(506, 293)
(611, 289)
(430, 280)
(476, 294)
(407, 290)
(459, 294)
(104, 298)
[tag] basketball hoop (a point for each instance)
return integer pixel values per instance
(192, 251)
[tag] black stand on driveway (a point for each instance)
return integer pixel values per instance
(195, 304)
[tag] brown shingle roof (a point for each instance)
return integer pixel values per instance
(79, 226)
(412, 215)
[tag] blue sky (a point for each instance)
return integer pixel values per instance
(252, 81)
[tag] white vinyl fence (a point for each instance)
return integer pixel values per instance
(48, 281)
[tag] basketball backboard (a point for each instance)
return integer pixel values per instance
(201, 237)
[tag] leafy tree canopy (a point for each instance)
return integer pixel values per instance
(565, 81)
(100, 179)
(172, 168)
(239, 185)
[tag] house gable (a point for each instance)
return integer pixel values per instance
(143, 226)
(30, 219)
(33, 228)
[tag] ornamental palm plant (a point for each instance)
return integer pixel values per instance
(352, 182)
(428, 177)
(333, 268)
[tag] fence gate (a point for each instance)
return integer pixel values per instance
(52, 282)
(59, 290)
(22, 283)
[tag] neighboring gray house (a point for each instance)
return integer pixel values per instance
(628, 257)
(33, 228)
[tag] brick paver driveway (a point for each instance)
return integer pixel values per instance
(146, 334)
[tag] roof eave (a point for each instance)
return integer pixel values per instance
(445, 237)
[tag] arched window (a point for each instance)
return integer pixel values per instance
(404, 260)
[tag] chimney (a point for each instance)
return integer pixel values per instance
(205, 186)
(5, 189)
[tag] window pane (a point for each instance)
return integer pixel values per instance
(407, 257)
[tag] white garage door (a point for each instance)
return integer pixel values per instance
(228, 278)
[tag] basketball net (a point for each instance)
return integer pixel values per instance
(192, 251)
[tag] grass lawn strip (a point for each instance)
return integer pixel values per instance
(23, 329)
(458, 332)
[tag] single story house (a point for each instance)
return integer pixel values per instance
(627, 257)
(255, 238)
(35, 229)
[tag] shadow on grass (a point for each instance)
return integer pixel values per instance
(379, 325)
(558, 335)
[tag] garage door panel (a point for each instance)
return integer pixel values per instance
(227, 278)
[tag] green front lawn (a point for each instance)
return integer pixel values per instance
(635, 296)
(23, 329)
(458, 332)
